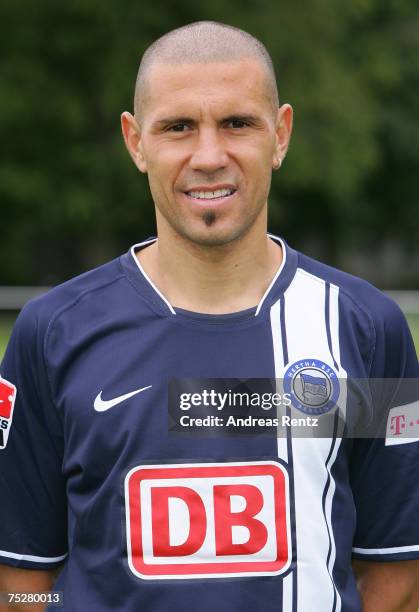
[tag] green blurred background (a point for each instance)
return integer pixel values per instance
(347, 193)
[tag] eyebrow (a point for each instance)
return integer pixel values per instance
(166, 121)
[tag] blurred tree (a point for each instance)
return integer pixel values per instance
(71, 198)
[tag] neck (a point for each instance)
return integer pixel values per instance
(213, 280)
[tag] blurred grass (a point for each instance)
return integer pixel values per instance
(414, 326)
(6, 323)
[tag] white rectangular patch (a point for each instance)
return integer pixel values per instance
(403, 424)
(208, 520)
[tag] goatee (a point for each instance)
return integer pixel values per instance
(209, 217)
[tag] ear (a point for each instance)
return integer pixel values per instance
(283, 129)
(132, 136)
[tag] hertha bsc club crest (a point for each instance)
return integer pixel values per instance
(313, 386)
(7, 402)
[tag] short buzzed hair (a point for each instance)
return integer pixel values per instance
(204, 42)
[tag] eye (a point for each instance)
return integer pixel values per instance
(177, 127)
(237, 123)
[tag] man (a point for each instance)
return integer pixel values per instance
(160, 522)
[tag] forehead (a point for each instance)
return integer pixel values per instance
(223, 85)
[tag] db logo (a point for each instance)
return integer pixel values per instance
(208, 520)
(7, 402)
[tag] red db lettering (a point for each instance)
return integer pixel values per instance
(225, 519)
(160, 521)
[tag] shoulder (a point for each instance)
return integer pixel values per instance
(39, 313)
(372, 317)
(356, 292)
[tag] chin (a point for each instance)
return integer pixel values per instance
(212, 237)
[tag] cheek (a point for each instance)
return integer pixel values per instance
(156, 187)
(256, 158)
(160, 172)
(259, 173)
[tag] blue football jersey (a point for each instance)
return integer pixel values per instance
(140, 519)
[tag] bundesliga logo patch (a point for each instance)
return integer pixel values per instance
(208, 520)
(7, 402)
(312, 385)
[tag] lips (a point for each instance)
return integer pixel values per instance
(211, 193)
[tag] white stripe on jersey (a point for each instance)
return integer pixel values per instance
(306, 338)
(287, 592)
(334, 322)
(333, 315)
(386, 551)
(287, 582)
(279, 367)
(12, 555)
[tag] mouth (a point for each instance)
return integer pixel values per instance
(213, 195)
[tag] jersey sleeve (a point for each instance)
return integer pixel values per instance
(33, 510)
(384, 475)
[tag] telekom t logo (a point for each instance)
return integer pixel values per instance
(207, 520)
(398, 423)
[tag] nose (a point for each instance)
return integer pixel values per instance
(209, 153)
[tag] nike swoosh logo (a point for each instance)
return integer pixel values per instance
(100, 405)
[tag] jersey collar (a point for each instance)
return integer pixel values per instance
(144, 284)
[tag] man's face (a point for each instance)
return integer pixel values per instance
(208, 138)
